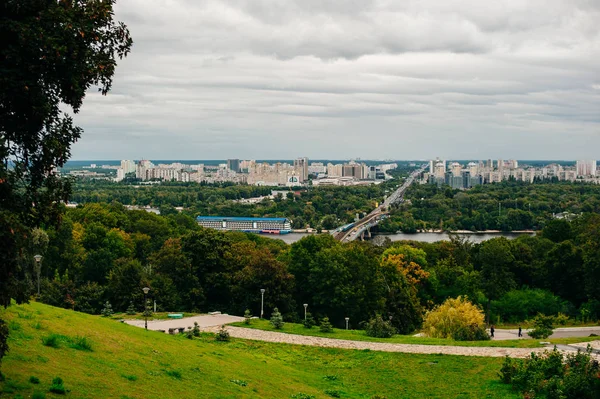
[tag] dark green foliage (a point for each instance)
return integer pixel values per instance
(554, 375)
(131, 309)
(130, 377)
(174, 374)
(81, 344)
(196, 330)
(51, 55)
(309, 321)
(3, 339)
(542, 327)
(325, 326)
(247, 317)
(276, 319)
(53, 340)
(302, 396)
(38, 395)
(34, 380)
(471, 333)
(377, 327)
(57, 386)
(333, 393)
(107, 310)
(222, 335)
(519, 305)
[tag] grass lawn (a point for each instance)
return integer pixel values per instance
(359, 335)
(102, 358)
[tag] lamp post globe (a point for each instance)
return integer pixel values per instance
(146, 290)
(262, 302)
(38, 270)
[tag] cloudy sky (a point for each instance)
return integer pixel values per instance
(336, 79)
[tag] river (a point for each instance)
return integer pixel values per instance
(425, 237)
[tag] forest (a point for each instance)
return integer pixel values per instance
(103, 252)
(506, 206)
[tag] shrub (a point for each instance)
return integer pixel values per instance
(542, 327)
(52, 340)
(107, 311)
(333, 393)
(377, 327)
(309, 321)
(247, 317)
(222, 335)
(456, 318)
(277, 319)
(147, 309)
(325, 325)
(196, 330)
(554, 375)
(57, 386)
(34, 380)
(130, 309)
(81, 344)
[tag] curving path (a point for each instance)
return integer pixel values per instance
(270, 336)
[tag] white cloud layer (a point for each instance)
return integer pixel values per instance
(339, 79)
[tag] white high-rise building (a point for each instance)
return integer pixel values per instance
(301, 167)
(586, 168)
(128, 166)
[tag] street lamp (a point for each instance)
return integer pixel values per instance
(305, 306)
(347, 319)
(38, 269)
(262, 302)
(145, 289)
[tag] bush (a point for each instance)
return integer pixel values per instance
(81, 344)
(379, 328)
(147, 309)
(457, 319)
(309, 321)
(52, 340)
(247, 317)
(333, 393)
(34, 380)
(276, 319)
(196, 330)
(131, 309)
(222, 335)
(57, 386)
(542, 327)
(554, 375)
(107, 311)
(325, 325)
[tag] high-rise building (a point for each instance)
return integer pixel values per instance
(301, 167)
(128, 166)
(586, 168)
(233, 165)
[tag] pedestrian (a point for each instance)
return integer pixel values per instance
(520, 332)
(492, 331)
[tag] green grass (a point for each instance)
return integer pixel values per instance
(130, 362)
(360, 335)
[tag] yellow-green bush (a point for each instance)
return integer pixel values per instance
(456, 318)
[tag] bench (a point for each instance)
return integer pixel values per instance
(175, 315)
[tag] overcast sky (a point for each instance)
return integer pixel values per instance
(257, 79)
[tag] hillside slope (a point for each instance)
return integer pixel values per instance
(128, 362)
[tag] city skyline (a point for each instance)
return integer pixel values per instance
(207, 79)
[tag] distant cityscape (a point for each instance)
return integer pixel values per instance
(461, 176)
(280, 174)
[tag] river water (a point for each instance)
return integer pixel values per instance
(425, 237)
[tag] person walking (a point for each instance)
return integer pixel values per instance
(520, 332)
(492, 331)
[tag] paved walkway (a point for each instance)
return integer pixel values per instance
(563, 332)
(270, 336)
(204, 321)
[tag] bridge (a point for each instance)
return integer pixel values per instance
(352, 231)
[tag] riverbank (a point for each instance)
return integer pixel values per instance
(438, 231)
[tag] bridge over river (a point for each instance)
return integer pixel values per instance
(352, 231)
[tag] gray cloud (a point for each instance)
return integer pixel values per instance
(338, 79)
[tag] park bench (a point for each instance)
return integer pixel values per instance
(175, 315)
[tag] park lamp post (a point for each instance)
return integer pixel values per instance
(347, 320)
(262, 302)
(38, 269)
(305, 306)
(145, 289)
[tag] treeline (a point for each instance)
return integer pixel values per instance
(104, 252)
(506, 206)
(317, 207)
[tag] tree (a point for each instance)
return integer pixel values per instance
(51, 53)
(276, 319)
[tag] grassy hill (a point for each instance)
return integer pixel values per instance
(102, 358)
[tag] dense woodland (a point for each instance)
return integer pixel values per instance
(505, 206)
(103, 252)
